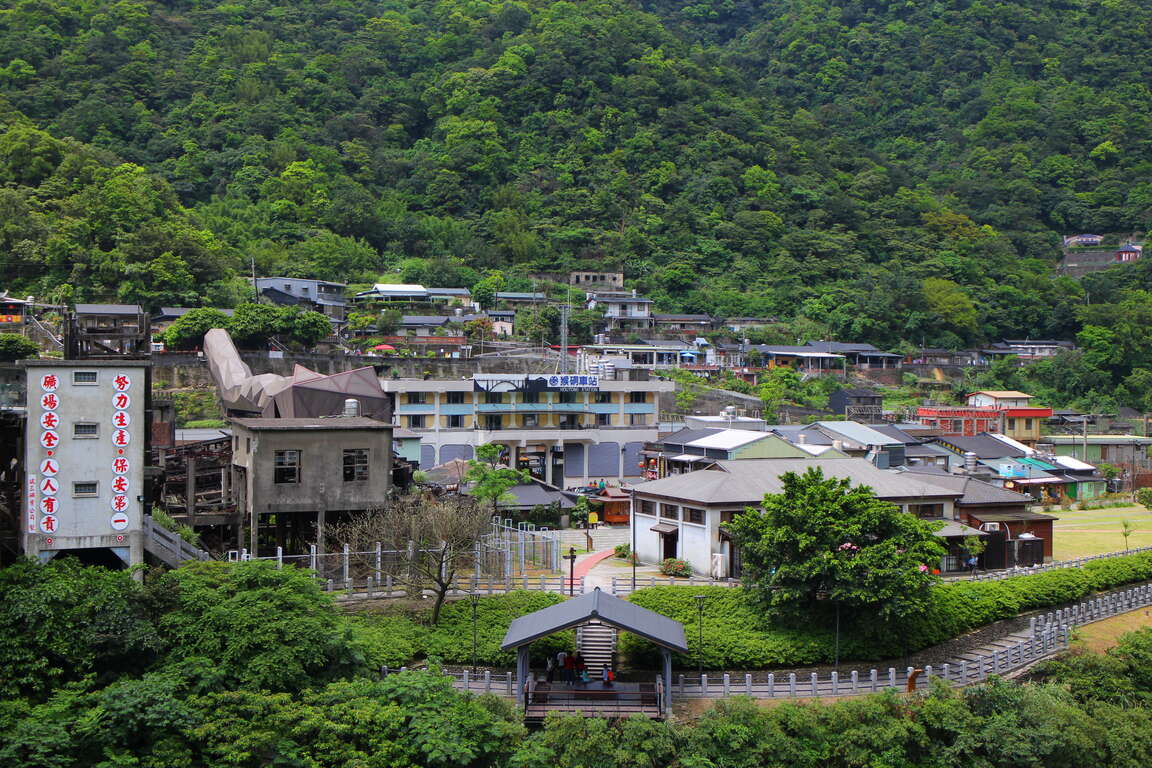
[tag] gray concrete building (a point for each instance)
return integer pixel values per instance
(85, 440)
(292, 477)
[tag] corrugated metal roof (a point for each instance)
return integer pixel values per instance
(109, 309)
(596, 604)
(857, 433)
(727, 439)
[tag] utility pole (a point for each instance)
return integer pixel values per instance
(564, 310)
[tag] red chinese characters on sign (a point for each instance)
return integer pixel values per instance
(121, 382)
(120, 484)
(49, 420)
(49, 439)
(120, 465)
(49, 505)
(121, 401)
(48, 524)
(49, 486)
(121, 419)
(119, 522)
(49, 382)
(49, 401)
(49, 467)
(119, 503)
(120, 437)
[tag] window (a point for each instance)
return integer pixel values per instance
(637, 397)
(1028, 425)
(416, 421)
(637, 418)
(531, 420)
(531, 397)
(927, 511)
(694, 515)
(304, 290)
(85, 429)
(567, 397)
(727, 517)
(603, 419)
(1012, 425)
(83, 377)
(455, 422)
(285, 467)
(493, 421)
(85, 488)
(648, 508)
(603, 397)
(670, 511)
(247, 445)
(455, 398)
(493, 397)
(355, 464)
(417, 398)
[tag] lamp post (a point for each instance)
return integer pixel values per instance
(475, 600)
(632, 552)
(824, 594)
(700, 624)
(571, 558)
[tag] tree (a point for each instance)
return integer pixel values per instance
(820, 537)
(187, 332)
(1126, 530)
(253, 325)
(14, 347)
(436, 539)
(1144, 498)
(488, 481)
(307, 328)
(484, 292)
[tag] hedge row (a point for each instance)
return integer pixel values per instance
(397, 639)
(738, 636)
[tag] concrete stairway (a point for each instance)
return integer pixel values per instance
(167, 546)
(596, 643)
(602, 538)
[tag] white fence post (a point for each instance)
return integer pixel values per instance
(891, 677)
(855, 681)
(792, 684)
(873, 678)
(815, 689)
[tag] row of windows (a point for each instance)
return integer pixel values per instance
(672, 512)
(494, 398)
(286, 466)
(528, 421)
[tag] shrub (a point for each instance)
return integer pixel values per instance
(672, 566)
(623, 551)
(738, 636)
(13, 347)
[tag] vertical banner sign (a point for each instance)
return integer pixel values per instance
(30, 502)
(47, 504)
(121, 437)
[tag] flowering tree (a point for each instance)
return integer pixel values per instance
(823, 542)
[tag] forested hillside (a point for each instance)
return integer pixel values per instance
(891, 170)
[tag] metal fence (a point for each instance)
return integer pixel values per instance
(511, 549)
(1052, 566)
(622, 585)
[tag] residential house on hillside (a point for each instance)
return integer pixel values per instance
(1083, 241)
(1125, 451)
(320, 296)
(1129, 252)
(692, 449)
(744, 323)
(520, 299)
(683, 324)
(684, 515)
(803, 359)
(863, 356)
(1025, 349)
(863, 405)
(597, 280)
(1006, 412)
(627, 313)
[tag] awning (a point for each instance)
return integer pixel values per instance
(953, 529)
(665, 529)
(690, 457)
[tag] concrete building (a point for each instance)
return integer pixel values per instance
(566, 429)
(1003, 411)
(316, 295)
(683, 515)
(86, 435)
(291, 477)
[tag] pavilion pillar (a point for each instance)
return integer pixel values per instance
(522, 672)
(666, 658)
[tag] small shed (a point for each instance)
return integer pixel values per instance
(666, 633)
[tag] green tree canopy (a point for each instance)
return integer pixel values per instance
(823, 541)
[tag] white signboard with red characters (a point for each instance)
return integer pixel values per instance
(110, 513)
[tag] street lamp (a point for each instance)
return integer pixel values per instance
(571, 558)
(700, 623)
(475, 600)
(632, 520)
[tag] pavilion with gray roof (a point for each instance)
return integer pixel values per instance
(667, 633)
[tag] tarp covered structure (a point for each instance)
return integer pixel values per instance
(304, 394)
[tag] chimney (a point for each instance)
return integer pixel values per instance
(458, 311)
(351, 407)
(970, 462)
(801, 438)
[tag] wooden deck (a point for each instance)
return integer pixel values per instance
(593, 700)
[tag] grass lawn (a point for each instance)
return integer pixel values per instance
(1099, 636)
(1096, 531)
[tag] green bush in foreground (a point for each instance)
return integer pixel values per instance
(738, 636)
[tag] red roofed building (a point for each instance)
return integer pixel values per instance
(1003, 411)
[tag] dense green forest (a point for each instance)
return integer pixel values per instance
(891, 171)
(219, 665)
